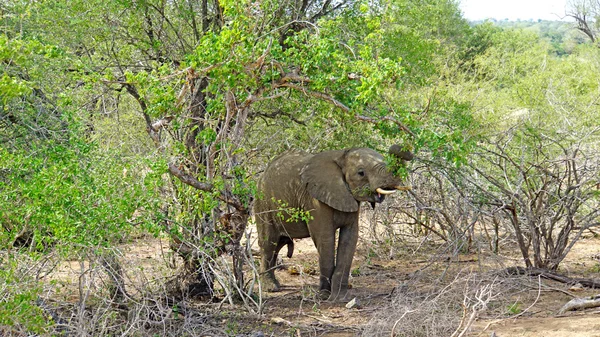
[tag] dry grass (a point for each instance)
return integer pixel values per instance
(78, 297)
(426, 306)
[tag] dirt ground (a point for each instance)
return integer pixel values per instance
(296, 310)
(375, 284)
(542, 319)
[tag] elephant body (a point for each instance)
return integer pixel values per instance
(330, 186)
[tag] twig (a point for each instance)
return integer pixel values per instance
(398, 321)
(317, 94)
(521, 313)
(534, 302)
(319, 319)
(590, 283)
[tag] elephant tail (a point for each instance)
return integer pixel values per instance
(290, 247)
(283, 241)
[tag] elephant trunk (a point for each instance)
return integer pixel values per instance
(388, 183)
(397, 151)
(404, 155)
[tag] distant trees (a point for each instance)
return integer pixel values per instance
(561, 35)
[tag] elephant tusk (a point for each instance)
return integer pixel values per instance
(385, 192)
(403, 188)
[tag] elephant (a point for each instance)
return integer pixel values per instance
(329, 186)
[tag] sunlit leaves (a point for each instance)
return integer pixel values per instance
(20, 64)
(18, 308)
(70, 197)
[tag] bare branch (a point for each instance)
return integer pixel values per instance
(189, 179)
(161, 123)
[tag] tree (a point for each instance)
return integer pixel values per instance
(537, 158)
(586, 14)
(213, 86)
(197, 97)
(62, 195)
(546, 184)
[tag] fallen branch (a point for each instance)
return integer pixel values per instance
(550, 275)
(321, 325)
(580, 304)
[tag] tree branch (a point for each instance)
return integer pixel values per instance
(317, 94)
(188, 179)
(386, 118)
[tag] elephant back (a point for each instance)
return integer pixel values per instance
(280, 182)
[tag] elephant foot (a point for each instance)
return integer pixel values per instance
(324, 294)
(270, 285)
(341, 296)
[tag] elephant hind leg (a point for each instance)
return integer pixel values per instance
(284, 241)
(270, 247)
(269, 260)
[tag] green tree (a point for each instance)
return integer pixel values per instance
(536, 160)
(62, 194)
(215, 88)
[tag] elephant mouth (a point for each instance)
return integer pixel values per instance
(378, 196)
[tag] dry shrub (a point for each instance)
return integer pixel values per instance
(106, 292)
(144, 307)
(423, 308)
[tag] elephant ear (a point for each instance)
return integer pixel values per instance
(324, 180)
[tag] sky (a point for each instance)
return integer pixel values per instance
(513, 9)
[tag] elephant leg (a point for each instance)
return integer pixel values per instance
(269, 248)
(286, 241)
(343, 264)
(326, 247)
(269, 261)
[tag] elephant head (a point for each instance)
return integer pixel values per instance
(342, 179)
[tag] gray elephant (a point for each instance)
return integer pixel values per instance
(330, 186)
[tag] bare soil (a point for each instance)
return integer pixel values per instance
(542, 318)
(378, 278)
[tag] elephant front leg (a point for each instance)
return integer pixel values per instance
(343, 264)
(326, 247)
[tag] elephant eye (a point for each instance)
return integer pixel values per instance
(361, 172)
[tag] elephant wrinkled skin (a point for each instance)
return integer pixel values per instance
(330, 185)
